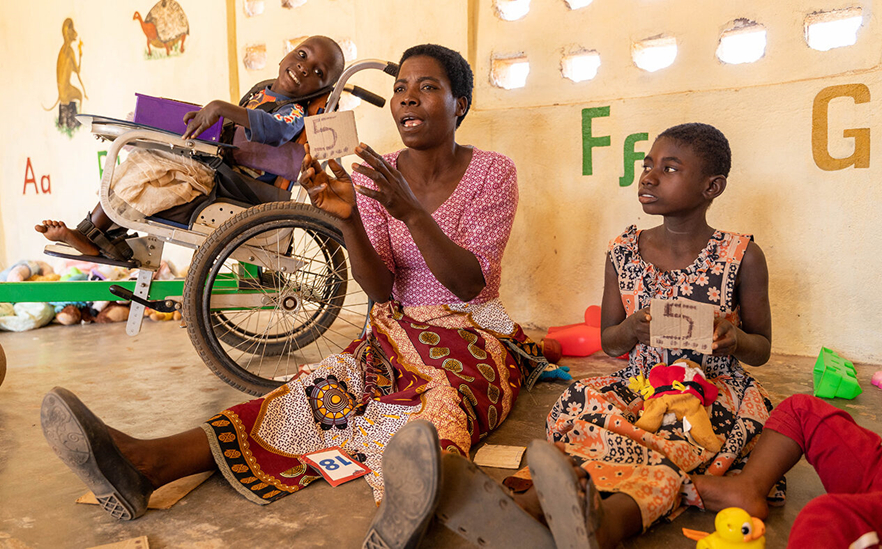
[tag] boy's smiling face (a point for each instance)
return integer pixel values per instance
(314, 64)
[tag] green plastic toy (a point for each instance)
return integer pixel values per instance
(835, 377)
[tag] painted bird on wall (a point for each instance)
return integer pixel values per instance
(735, 529)
(165, 27)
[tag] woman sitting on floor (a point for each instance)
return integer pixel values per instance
(425, 229)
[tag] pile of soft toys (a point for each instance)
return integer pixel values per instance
(19, 317)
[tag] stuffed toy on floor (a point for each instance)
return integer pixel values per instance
(27, 270)
(682, 390)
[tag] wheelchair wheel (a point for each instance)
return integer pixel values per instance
(269, 291)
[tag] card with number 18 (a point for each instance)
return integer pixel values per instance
(335, 465)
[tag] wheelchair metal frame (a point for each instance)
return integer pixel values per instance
(148, 249)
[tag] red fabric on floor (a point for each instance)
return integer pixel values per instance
(847, 458)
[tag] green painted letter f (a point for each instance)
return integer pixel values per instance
(588, 140)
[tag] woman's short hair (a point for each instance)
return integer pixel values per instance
(708, 143)
(462, 81)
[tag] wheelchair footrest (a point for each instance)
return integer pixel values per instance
(66, 252)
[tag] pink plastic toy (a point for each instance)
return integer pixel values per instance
(877, 379)
(580, 339)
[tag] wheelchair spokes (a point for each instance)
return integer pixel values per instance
(264, 320)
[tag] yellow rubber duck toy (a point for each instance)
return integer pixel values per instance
(735, 530)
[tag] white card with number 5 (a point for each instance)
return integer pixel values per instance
(331, 135)
(682, 324)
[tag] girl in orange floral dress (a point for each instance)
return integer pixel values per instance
(645, 476)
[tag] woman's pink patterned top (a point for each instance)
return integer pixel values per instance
(478, 217)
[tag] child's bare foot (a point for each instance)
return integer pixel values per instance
(57, 231)
(718, 493)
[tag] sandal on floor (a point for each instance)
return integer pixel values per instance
(83, 443)
(479, 509)
(112, 243)
(558, 489)
(412, 481)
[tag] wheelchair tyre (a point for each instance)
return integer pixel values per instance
(229, 331)
(256, 324)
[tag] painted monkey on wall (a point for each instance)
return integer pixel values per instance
(68, 94)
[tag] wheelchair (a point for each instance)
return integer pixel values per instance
(269, 289)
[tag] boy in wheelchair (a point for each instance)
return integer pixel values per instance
(267, 132)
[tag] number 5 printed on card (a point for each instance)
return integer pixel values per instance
(331, 135)
(681, 324)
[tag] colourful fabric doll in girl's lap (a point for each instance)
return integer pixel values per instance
(681, 390)
(648, 473)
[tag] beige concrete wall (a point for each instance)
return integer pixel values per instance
(819, 229)
(113, 68)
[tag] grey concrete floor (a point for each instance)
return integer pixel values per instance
(154, 385)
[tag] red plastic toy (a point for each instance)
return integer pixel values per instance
(580, 339)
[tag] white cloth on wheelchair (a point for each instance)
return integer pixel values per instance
(152, 181)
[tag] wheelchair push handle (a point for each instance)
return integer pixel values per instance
(386, 66)
(366, 95)
(391, 69)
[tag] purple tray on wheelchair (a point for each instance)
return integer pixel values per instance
(168, 114)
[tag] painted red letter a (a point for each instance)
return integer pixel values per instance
(29, 178)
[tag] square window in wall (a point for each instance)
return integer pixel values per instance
(509, 73)
(580, 66)
(511, 10)
(253, 8)
(832, 29)
(576, 4)
(255, 57)
(291, 43)
(744, 42)
(654, 53)
(348, 102)
(350, 51)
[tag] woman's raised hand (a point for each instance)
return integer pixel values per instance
(393, 191)
(334, 195)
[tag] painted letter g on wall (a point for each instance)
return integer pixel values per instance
(820, 122)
